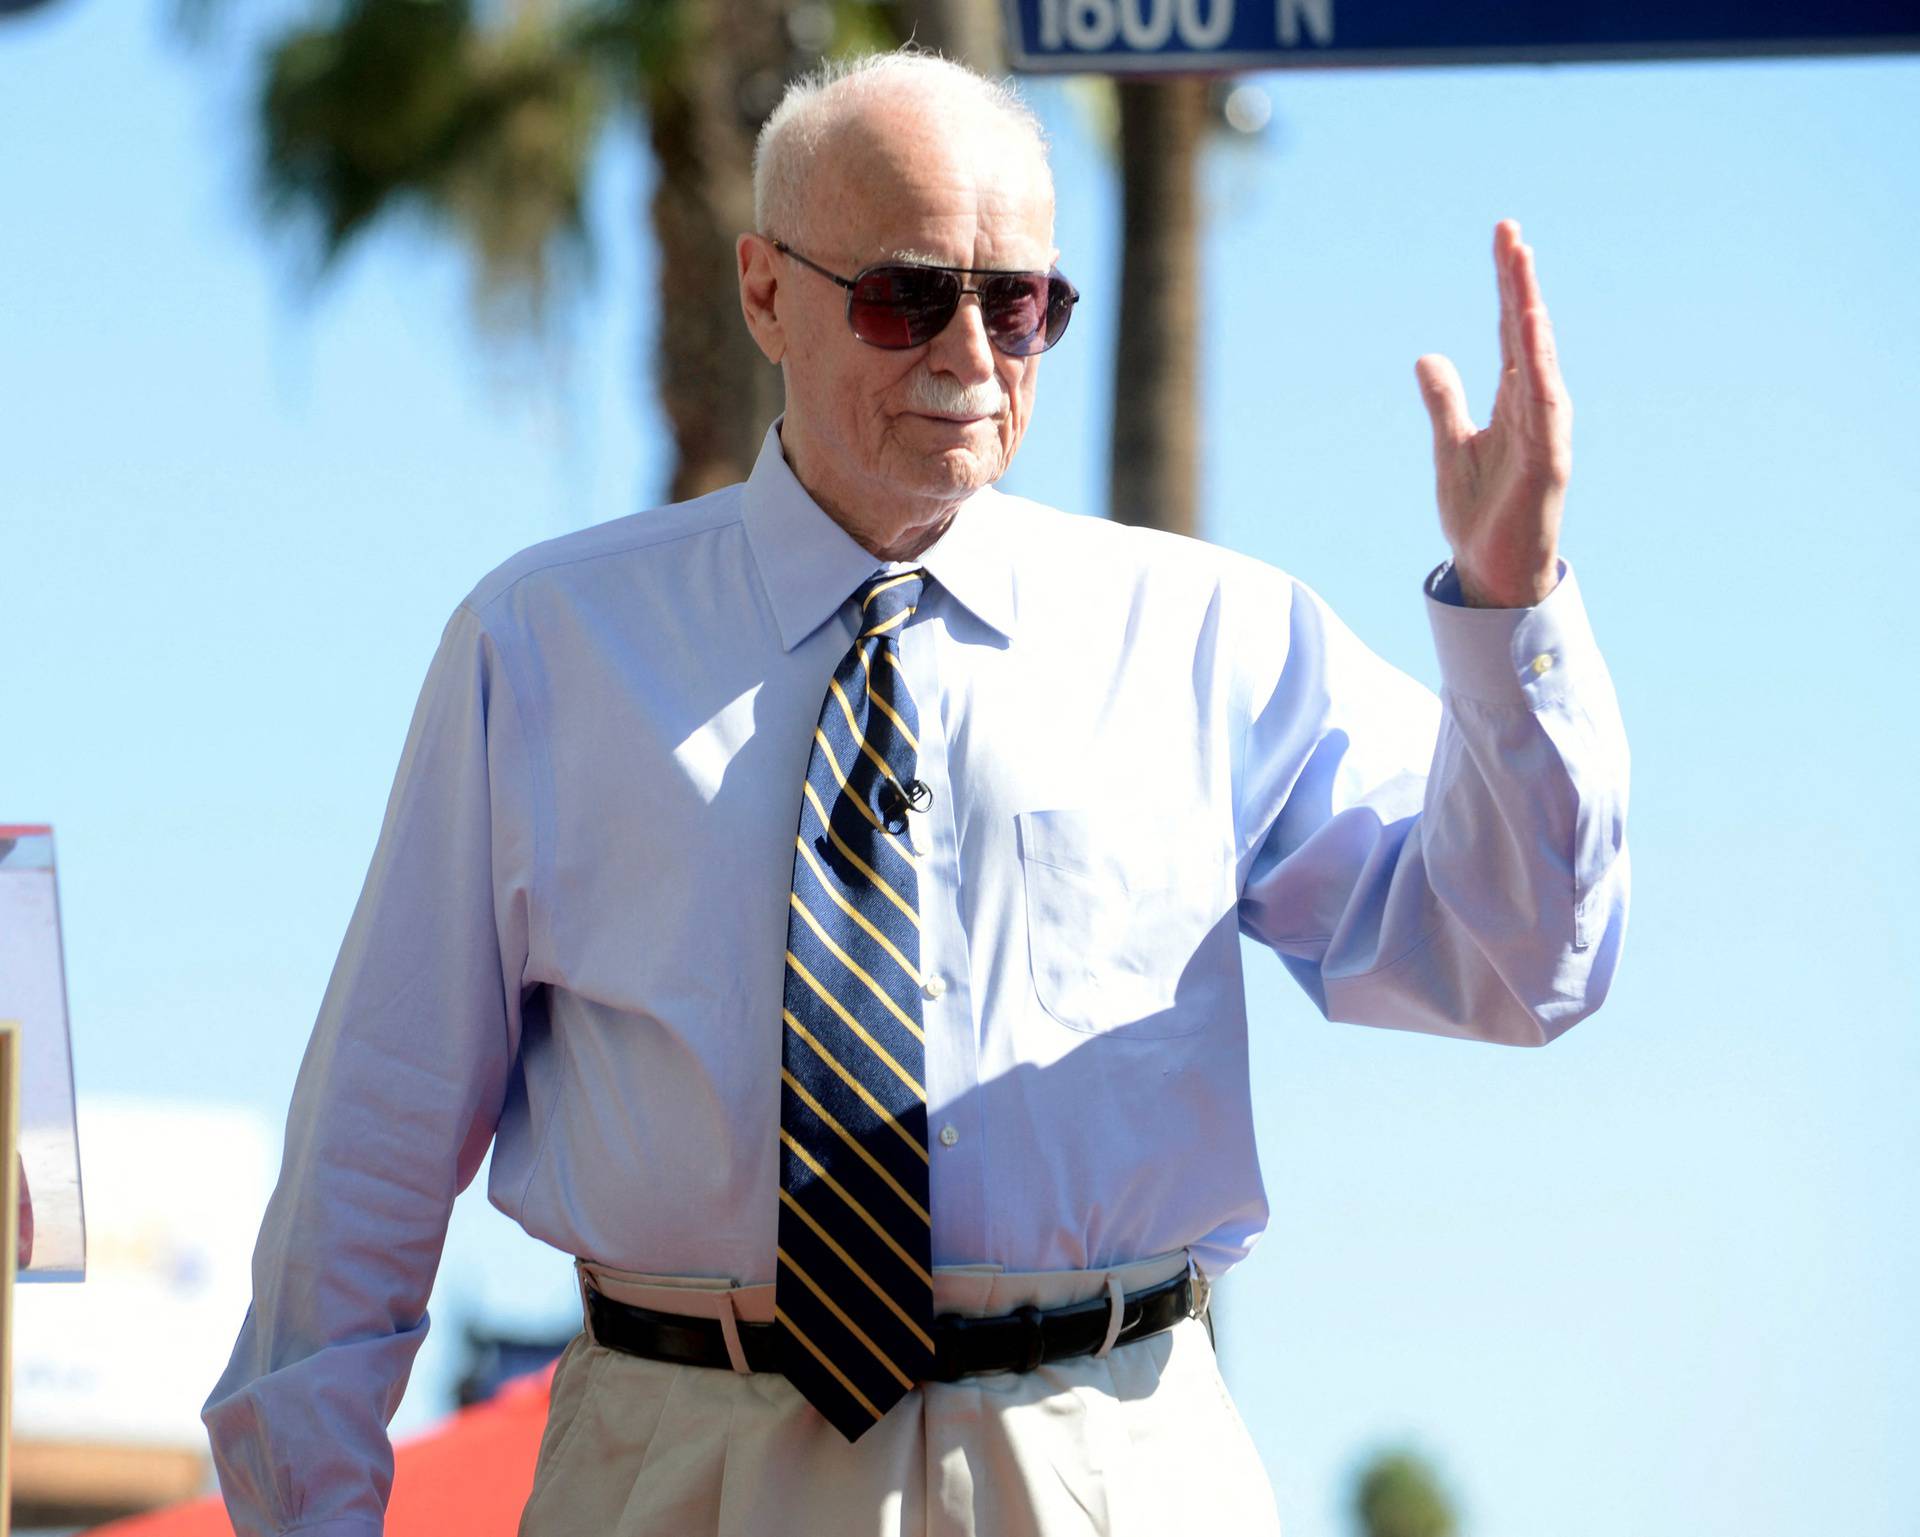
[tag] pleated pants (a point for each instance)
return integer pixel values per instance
(1140, 1442)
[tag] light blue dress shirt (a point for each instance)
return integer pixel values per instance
(1140, 747)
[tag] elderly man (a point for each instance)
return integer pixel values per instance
(826, 897)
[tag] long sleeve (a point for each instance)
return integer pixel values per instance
(1458, 869)
(396, 1101)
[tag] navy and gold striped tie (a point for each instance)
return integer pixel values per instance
(853, 1290)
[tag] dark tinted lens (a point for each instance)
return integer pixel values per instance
(1015, 310)
(1027, 312)
(902, 306)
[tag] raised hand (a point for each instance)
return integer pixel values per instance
(1501, 488)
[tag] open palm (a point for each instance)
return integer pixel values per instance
(1501, 487)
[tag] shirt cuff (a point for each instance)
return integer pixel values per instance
(1513, 656)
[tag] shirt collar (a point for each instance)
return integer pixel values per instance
(973, 560)
(810, 565)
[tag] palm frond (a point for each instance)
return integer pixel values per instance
(411, 105)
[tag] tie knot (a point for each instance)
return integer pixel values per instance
(886, 601)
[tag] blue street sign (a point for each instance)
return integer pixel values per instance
(1197, 36)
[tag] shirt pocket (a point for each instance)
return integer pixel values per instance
(1118, 920)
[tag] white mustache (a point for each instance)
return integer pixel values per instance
(946, 395)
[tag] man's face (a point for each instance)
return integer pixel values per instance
(869, 428)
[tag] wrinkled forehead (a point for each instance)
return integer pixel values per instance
(931, 181)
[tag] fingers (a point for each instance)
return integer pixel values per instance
(1529, 360)
(1539, 356)
(1506, 242)
(1446, 402)
(1526, 333)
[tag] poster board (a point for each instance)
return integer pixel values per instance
(33, 990)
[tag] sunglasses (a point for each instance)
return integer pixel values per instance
(903, 304)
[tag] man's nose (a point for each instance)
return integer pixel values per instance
(962, 348)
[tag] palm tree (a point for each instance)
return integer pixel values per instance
(487, 125)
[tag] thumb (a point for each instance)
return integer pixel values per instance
(1446, 401)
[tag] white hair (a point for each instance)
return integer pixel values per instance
(791, 137)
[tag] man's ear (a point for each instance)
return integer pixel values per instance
(759, 283)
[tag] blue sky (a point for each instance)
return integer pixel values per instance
(1659, 1278)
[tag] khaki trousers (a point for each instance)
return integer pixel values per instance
(1142, 1441)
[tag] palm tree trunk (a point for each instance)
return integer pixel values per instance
(967, 31)
(1154, 465)
(717, 390)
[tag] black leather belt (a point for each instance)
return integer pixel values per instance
(964, 1347)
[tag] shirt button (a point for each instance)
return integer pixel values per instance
(948, 1136)
(917, 838)
(934, 987)
(1542, 664)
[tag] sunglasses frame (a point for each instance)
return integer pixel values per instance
(1052, 275)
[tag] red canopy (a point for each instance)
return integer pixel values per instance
(470, 1474)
